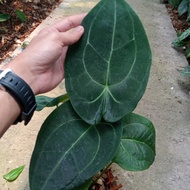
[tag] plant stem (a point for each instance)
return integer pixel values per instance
(104, 170)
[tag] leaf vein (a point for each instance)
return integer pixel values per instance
(65, 153)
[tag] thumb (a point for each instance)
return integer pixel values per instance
(72, 36)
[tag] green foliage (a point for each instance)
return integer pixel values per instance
(4, 17)
(13, 174)
(44, 101)
(75, 150)
(84, 186)
(183, 38)
(185, 71)
(118, 63)
(187, 52)
(184, 7)
(21, 15)
(137, 147)
(183, 41)
(24, 45)
(106, 76)
(174, 3)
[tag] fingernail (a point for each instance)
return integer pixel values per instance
(79, 28)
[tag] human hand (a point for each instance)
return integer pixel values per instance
(41, 64)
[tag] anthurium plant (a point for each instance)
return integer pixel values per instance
(106, 74)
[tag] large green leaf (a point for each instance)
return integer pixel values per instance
(108, 69)
(69, 151)
(137, 149)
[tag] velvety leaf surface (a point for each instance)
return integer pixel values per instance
(69, 151)
(108, 69)
(137, 148)
(84, 186)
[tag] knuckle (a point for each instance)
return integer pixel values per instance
(70, 23)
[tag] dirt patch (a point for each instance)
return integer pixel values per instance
(106, 182)
(14, 30)
(179, 22)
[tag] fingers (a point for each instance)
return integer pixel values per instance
(72, 36)
(69, 22)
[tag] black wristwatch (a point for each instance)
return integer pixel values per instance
(22, 93)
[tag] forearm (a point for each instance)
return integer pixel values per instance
(10, 108)
(20, 68)
(9, 111)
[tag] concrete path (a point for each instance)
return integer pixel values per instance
(166, 103)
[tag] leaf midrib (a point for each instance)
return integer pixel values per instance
(62, 157)
(112, 44)
(107, 85)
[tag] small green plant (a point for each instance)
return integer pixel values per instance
(4, 17)
(184, 7)
(182, 41)
(13, 174)
(44, 101)
(174, 3)
(106, 74)
(20, 14)
(185, 71)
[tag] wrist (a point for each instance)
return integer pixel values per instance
(21, 92)
(9, 107)
(20, 68)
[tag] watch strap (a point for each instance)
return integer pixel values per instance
(22, 93)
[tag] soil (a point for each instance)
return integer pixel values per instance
(106, 182)
(179, 22)
(14, 30)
